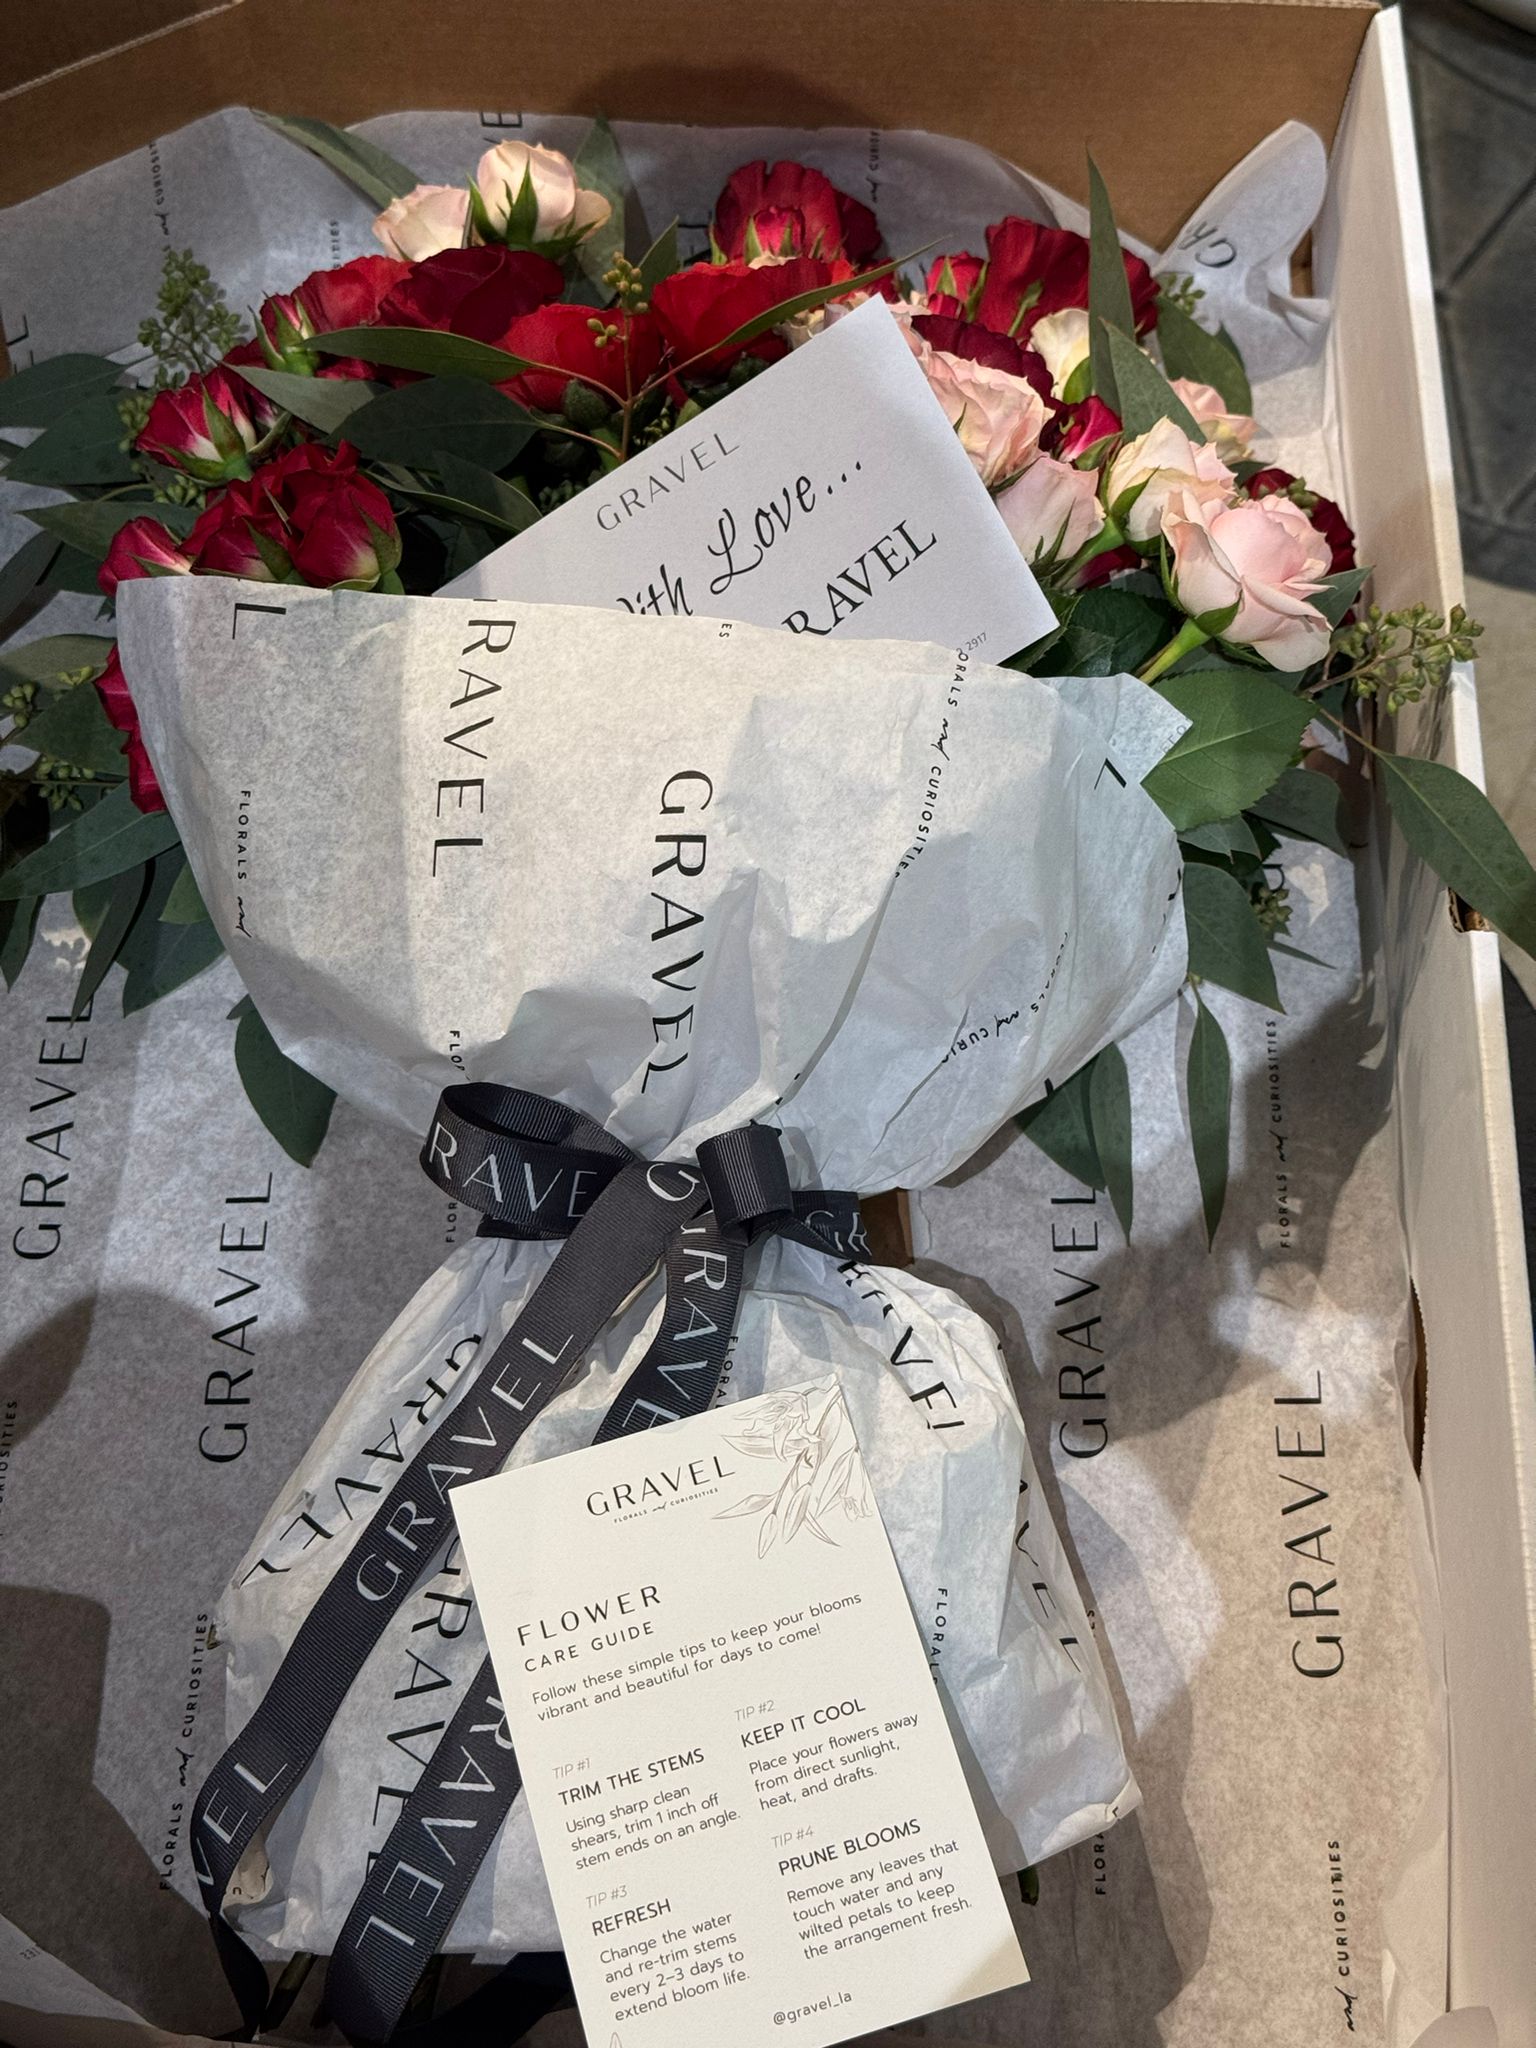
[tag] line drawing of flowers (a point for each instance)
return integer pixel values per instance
(822, 1469)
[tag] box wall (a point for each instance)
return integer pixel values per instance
(1461, 1201)
(1034, 79)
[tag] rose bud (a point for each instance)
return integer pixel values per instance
(478, 292)
(112, 688)
(241, 534)
(532, 199)
(697, 308)
(1032, 271)
(1229, 433)
(1323, 513)
(951, 283)
(998, 417)
(614, 352)
(207, 428)
(1086, 429)
(282, 330)
(1148, 470)
(427, 219)
(1250, 569)
(1052, 510)
(767, 213)
(141, 548)
(344, 536)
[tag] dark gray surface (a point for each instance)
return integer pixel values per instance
(1474, 86)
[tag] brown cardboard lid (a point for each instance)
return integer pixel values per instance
(1167, 94)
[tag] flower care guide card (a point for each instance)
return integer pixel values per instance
(829, 494)
(751, 1812)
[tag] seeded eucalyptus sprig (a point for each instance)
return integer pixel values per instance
(1396, 656)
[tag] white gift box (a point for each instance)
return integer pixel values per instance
(1035, 80)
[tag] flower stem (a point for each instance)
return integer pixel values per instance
(1185, 641)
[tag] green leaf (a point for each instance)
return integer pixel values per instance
(83, 446)
(1295, 953)
(157, 956)
(376, 174)
(294, 1106)
(1109, 289)
(420, 423)
(90, 525)
(1226, 941)
(1189, 351)
(112, 835)
(1244, 731)
(1222, 836)
(126, 895)
(1109, 1104)
(73, 570)
(428, 350)
(43, 392)
(45, 660)
(599, 164)
(1451, 826)
(322, 402)
(23, 571)
(1136, 626)
(660, 260)
(1340, 593)
(1304, 804)
(802, 302)
(89, 903)
(481, 494)
(1060, 1124)
(18, 922)
(1208, 1079)
(1144, 394)
(184, 904)
(73, 727)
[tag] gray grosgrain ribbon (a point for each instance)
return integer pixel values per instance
(535, 1169)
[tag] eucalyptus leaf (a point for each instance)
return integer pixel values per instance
(660, 260)
(184, 904)
(1303, 804)
(83, 446)
(325, 403)
(73, 569)
(1109, 289)
(1244, 733)
(1339, 593)
(599, 164)
(431, 351)
(22, 572)
(18, 923)
(1222, 836)
(1109, 1103)
(44, 392)
(1204, 358)
(375, 173)
(1226, 941)
(419, 423)
(294, 1106)
(484, 495)
(112, 835)
(160, 957)
(1144, 395)
(1452, 827)
(89, 903)
(1062, 1126)
(73, 727)
(90, 525)
(1208, 1082)
(57, 654)
(126, 895)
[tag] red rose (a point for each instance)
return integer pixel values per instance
(208, 427)
(1033, 270)
(697, 308)
(223, 542)
(617, 352)
(1099, 568)
(1084, 427)
(791, 210)
(112, 688)
(346, 536)
(1323, 513)
(950, 282)
(351, 295)
(309, 516)
(478, 292)
(141, 548)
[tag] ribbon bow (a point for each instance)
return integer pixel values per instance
(535, 1170)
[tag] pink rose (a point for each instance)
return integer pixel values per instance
(425, 221)
(999, 417)
(1052, 510)
(1062, 339)
(1156, 465)
(534, 200)
(1263, 555)
(1231, 433)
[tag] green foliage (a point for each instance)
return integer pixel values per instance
(1189, 350)
(294, 1106)
(1061, 1124)
(193, 324)
(1109, 289)
(325, 403)
(113, 834)
(1452, 826)
(1397, 656)
(1226, 942)
(1244, 733)
(1208, 1087)
(44, 392)
(374, 172)
(418, 423)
